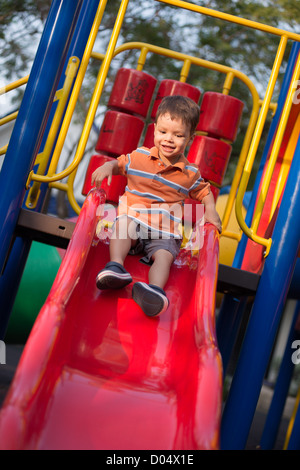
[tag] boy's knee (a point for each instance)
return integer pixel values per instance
(164, 256)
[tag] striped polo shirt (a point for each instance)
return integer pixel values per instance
(155, 193)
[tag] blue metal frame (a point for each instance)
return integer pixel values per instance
(294, 441)
(265, 316)
(227, 327)
(27, 136)
(35, 108)
(285, 375)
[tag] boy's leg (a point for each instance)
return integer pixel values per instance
(114, 275)
(160, 269)
(152, 298)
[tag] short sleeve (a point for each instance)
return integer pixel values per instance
(122, 164)
(199, 188)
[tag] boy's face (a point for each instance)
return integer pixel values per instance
(171, 137)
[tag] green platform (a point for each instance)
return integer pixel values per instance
(39, 273)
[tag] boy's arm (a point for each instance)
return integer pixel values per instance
(105, 171)
(211, 215)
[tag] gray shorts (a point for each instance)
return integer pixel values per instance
(149, 245)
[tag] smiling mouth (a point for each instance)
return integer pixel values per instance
(167, 148)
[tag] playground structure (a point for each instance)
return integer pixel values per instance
(64, 356)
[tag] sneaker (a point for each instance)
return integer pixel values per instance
(152, 299)
(113, 276)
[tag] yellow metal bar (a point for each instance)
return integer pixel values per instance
(241, 162)
(275, 149)
(185, 70)
(70, 73)
(182, 57)
(232, 19)
(228, 83)
(3, 150)
(8, 118)
(253, 149)
(292, 420)
(285, 166)
(94, 102)
(142, 58)
(13, 85)
(72, 104)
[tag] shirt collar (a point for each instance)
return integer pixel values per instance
(179, 164)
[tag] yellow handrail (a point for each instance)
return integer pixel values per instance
(71, 107)
(275, 148)
(16, 84)
(250, 232)
(8, 118)
(43, 158)
(232, 19)
(12, 116)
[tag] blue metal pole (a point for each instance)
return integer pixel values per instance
(226, 337)
(30, 124)
(227, 326)
(294, 441)
(281, 389)
(265, 316)
(35, 107)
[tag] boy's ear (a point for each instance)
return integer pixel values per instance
(192, 138)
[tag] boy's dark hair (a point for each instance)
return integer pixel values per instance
(180, 107)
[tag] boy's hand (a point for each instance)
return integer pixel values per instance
(104, 171)
(211, 215)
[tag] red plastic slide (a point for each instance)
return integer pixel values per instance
(96, 373)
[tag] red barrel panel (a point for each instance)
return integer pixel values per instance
(220, 115)
(132, 91)
(211, 156)
(120, 133)
(118, 182)
(174, 87)
(149, 137)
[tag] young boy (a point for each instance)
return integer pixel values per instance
(158, 182)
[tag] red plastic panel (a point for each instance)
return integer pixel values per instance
(212, 156)
(220, 115)
(132, 91)
(174, 87)
(96, 373)
(120, 133)
(117, 185)
(149, 137)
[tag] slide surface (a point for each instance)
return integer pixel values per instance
(96, 373)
